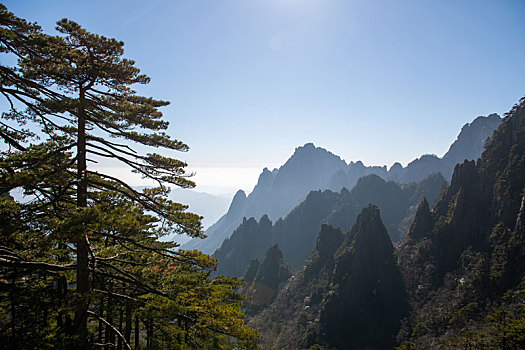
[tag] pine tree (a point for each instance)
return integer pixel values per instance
(91, 229)
(95, 83)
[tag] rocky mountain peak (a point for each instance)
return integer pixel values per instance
(238, 202)
(369, 236)
(367, 280)
(328, 241)
(265, 178)
(471, 140)
(310, 153)
(265, 277)
(423, 222)
(265, 222)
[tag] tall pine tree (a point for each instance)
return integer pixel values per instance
(78, 89)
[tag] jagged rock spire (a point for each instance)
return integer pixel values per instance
(423, 222)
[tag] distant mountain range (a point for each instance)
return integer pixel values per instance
(313, 168)
(297, 232)
(457, 280)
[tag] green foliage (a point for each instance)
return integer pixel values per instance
(504, 328)
(463, 315)
(477, 252)
(315, 347)
(80, 260)
(407, 345)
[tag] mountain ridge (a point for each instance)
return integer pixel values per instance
(313, 168)
(296, 233)
(457, 279)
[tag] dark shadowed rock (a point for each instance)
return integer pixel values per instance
(472, 255)
(268, 275)
(328, 241)
(348, 296)
(423, 223)
(367, 301)
(251, 271)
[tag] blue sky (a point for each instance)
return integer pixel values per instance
(377, 81)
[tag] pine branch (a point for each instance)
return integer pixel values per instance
(38, 265)
(122, 338)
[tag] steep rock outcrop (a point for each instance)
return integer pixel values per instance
(264, 278)
(328, 240)
(364, 309)
(251, 239)
(422, 224)
(348, 298)
(471, 141)
(473, 252)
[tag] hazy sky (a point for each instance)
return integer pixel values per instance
(377, 81)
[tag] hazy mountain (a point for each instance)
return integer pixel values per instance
(296, 234)
(210, 206)
(468, 145)
(460, 262)
(470, 142)
(276, 193)
(313, 168)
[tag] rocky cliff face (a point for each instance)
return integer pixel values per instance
(465, 254)
(263, 279)
(470, 143)
(423, 223)
(349, 295)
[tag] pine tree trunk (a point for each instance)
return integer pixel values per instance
(109, 317)
(119, 340)
(127, 334)
(81, 315)
(149, 333)
(100, 324)
(137, 332)
(63, 319)
(13, 307)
